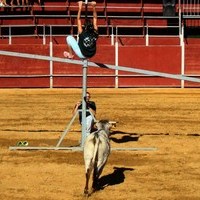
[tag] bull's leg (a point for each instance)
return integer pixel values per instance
(100, 168)
(95, 179)
(97, 172)
(87, 176)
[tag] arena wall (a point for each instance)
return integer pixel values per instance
(22, 72)
(147, 38)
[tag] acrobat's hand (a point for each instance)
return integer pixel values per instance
(93, 3)
(80, 4)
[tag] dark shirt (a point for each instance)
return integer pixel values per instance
(87, 43)
(90, 104)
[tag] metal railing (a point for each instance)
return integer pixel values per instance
(116, 31)
(191, 8)
(185, 8)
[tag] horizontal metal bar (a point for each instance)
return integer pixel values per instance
(191, 16)
(89, 75)
(134, 149)
(14, 16)
(160, 17)
(24, 76)
(100, 65)
(46, 148)
(141, 71)
(81, 148)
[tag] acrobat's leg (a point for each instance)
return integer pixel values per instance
(73, 46)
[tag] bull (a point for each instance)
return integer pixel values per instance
(96, 152)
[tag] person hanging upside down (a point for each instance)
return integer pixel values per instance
(85, 46)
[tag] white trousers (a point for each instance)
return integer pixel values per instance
(71, 41)
(89, 124)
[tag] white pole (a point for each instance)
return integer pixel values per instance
(44, 35)
(147, 36)
(51, 62)
(84, 91)
(182, 57)
(179, 13)
(116, 60)
(112, 37)
(10, 37)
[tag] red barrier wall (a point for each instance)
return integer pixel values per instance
(192, 60)
(165, 59)
(155, 58)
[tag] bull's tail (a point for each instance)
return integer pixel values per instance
(96, 145)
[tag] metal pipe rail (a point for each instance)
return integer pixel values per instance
(191, 7)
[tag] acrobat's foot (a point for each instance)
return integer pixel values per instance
(68, 55)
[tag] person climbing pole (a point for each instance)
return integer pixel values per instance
(85, 46)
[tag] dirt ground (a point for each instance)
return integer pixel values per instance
(165, 119)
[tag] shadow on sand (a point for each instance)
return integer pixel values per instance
(115, 178)
(127, 137)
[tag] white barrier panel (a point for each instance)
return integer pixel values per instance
(101, 65)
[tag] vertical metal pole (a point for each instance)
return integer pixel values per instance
(86, 8)
(147, 35)
(116, 60)
(179, 15)
(10, 36)
(84, 91)
(44, 35)
(51, 62)
(112, 37)
(194, 7)
(182, 57)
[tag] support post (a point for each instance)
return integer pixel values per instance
(182, 57)
(84, 91)
(44, 35)
(147, 35)
(51, 64)
(116, 63)
(10, 36)
(112, 36)
(86, 9)
(84, 127)
(66, 130)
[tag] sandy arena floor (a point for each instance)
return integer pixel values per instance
(165, 119)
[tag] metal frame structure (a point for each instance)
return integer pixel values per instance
(85, 64)
(84, 91)
(101, 65)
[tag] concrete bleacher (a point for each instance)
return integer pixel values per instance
(126, 18)
(111, 13)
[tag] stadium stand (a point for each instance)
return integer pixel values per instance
(130, 16)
